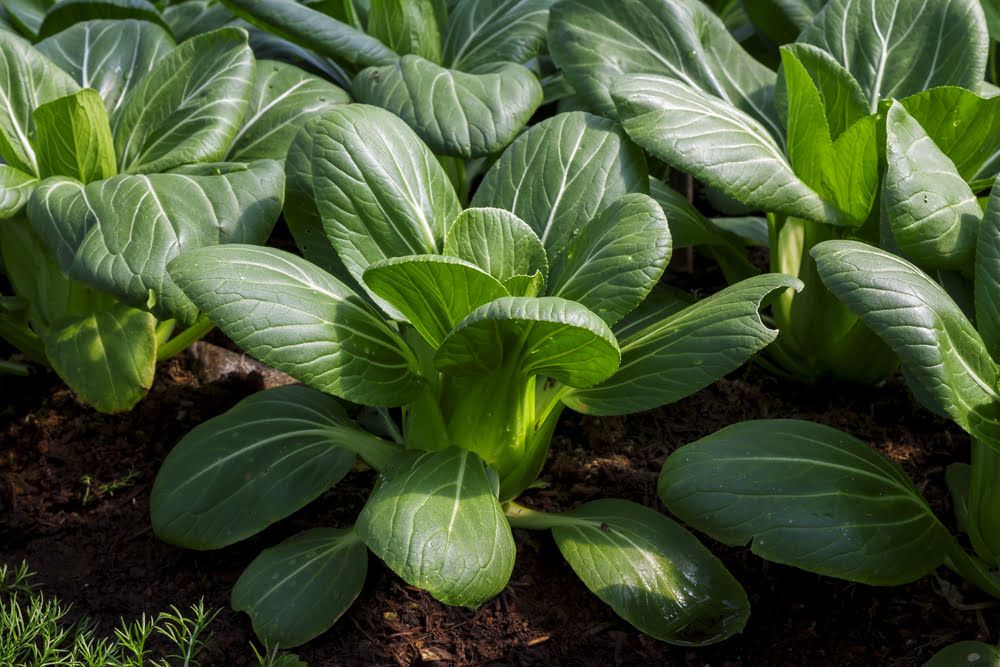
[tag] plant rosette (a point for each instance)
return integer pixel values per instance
(121, 150)
(481, 326)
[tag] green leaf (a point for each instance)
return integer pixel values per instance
(933, 214)
(545, 336)
(679, 354)
(525, 285)
(943, 357)
(409, 26)
(189, 107)
(193, 17)
(434, 292)
(844, 103)
(781, 20)
(27, 15)
(482, 33)
(313, 30)
(15, 189)
(987, 275)
(379, 191)
(896, 48)
(27, 80)
(73, 138)
(109, 56)
(498, 242)
(118, 235)
(844, 172)
(965, 126)
(436, 522)
(301, 213)
(957, 477)
(67, 13)
(615, 260)
(264, 459)
(807, 495)
(963, 654)
(455, 113)
(291, 315)
(595, 43)
(108, 356)
(561, 173)
(297, 590)
(716, 143)
(652, 572)
(283, 99)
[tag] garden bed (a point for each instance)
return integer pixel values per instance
(92, 546)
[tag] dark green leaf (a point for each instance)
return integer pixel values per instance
(561, 173)
(108, 56)
(455, 113)
(615, 260)
(409, 26)
(267, 457)
(297, 590)
(189, 107)
(118, 235)
(987, 278)
(486, 32)
(807, 495)
(652, 572)
(966, 654)
(193, 17)
(293, 316)
(436, 522)
(27, 15)
(15, 189)
(943, 357)
(933, 214)
(677, 355)
(67, 13)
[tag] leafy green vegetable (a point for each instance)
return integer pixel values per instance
(481, 326)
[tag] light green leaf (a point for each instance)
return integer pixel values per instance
(27, 15)
(896, 48)
(291, 315)
(15, 189)
(455, 113)
(434, 292)
(933, 214)
(807, 495)
(107, 356)
(943, 357)
(27, 80)
(282, 100)
(297, 590)
(73, 138)
(987, 276)
(965, 126)
(109, 56)
(595, 43)
(615, 260)
(436, 522)
(679, 354)
(409, 26)
(844, 103)
(652, 572)
(546, 336)
(486, 32)
(498, 242)
(189, 107)
(379, 191)
(561, 173)
(525, 285)
(716, 143)
(67, 13)
(118, 235)
(267, 457)
(313, 30)
(193, 17)
(844, 172)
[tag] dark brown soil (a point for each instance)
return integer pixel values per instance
(95, 549)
